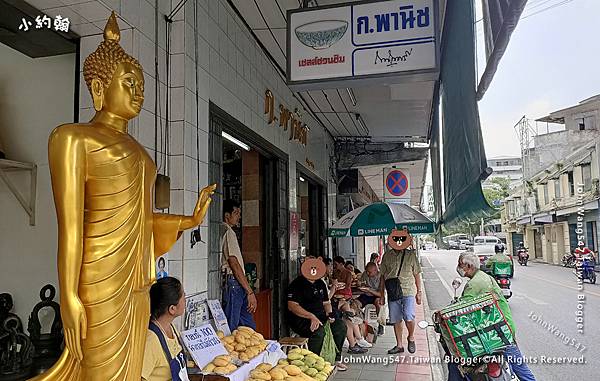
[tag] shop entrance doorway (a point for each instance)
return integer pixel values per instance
(253, 173)
(537, 240)
(311, 214)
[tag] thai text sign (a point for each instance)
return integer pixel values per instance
(361, 39)
(203, 344)
(219, 316)
(287, 119)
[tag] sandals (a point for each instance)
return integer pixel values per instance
(340, 367)
(412, 346)
(396, 350)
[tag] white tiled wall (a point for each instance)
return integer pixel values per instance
(232, 72)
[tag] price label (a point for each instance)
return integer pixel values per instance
(203, 344)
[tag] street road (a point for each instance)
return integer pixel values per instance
(541, 293)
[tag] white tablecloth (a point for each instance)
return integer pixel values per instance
(271, 356)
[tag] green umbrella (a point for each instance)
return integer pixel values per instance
(380, 219)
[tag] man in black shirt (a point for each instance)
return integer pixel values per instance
(309, 309)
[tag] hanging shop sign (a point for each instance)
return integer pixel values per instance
(361, 40)
(287, 119)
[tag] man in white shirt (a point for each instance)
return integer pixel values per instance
(239, 301)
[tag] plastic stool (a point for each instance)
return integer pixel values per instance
(288, 343)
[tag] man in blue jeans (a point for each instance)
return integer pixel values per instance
(480, 283)
(239, 301)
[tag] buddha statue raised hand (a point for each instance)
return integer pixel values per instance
(108, 234)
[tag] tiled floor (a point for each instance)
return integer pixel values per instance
(372, 365)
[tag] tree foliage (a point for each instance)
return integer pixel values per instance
(498, 190)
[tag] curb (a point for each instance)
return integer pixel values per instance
(539, 261)
(437, 372)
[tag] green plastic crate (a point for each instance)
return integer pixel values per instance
(475, 327)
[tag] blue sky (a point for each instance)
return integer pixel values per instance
(552, 62)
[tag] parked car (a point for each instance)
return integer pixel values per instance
(464, 244)
(430, 246)
(484, 247)
(453, 245)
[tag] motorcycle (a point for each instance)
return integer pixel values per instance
(501, 272)
(485, 368)
(523, 255)
(504, 284)
(585, 268)
(568, 260)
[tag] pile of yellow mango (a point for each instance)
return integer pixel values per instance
(221, 364)
(301, 365)
(243, 343)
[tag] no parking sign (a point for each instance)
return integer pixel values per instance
(396, 185)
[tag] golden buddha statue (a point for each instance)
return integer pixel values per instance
(108, 234)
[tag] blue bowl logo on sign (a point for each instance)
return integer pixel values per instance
(321, 34)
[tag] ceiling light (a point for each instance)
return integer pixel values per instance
(301, 179)
(351, 95)
(235, 141)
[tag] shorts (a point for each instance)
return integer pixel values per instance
(403, 309)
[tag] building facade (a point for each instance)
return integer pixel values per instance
(559, 202)
(508, 167)
(203, 121)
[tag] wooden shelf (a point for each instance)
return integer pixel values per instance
(11, 166)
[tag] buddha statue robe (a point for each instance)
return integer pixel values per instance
(118, 237)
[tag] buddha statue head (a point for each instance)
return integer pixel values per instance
(114, 78)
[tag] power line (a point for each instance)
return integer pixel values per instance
(531, 6)
(547, 8)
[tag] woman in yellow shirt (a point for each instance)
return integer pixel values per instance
(164, 359)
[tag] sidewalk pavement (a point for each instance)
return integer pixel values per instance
(372, 366)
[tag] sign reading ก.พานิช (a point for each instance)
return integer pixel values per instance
(298, 129)
(361, 39)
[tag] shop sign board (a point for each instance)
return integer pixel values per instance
(294, 230)
(287, 119)
(219, 316)
(203, 344)
(362, 40)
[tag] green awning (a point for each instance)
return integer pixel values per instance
(464, 160)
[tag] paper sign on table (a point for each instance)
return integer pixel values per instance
(273, 346)
(219, 316)
(203, 344)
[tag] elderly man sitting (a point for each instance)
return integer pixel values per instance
(480, 283)
(370, 288)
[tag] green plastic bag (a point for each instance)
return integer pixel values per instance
(475, 327)
(328, 350)
(502, 268)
